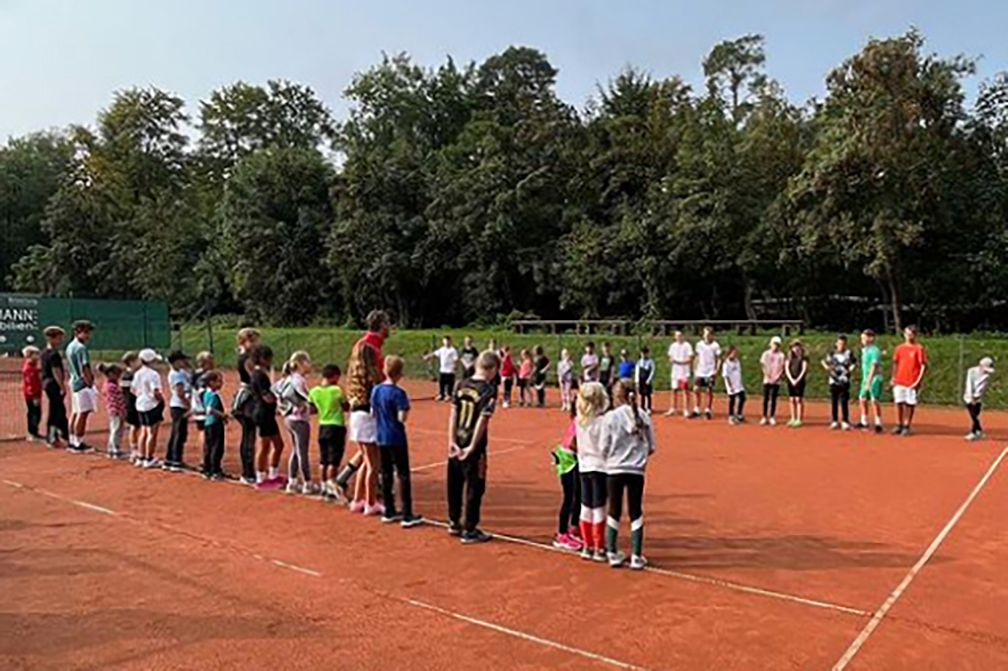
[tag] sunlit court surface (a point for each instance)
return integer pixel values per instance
(770, 548)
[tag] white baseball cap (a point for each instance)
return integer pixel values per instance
(776, 340)
(149, 356)
(987, 364)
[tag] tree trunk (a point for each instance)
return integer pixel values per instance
(894, 299)
(749, 290)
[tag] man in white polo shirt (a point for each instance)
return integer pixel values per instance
(680, 356)
(706, 360)
(448, 358)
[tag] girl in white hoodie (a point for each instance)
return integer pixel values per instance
(628, 442)
(592, 402)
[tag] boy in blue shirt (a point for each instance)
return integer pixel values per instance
(213, 425)
(627, 366)
(390, 406)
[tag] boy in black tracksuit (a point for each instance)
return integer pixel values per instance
(472, 407)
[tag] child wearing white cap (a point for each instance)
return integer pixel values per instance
(150, 403)
(977, 379)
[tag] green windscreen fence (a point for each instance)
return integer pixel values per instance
(119, 325)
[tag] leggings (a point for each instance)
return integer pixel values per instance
(633, 485)
(566, 398)
(736, 402)
(395, 461)
(570, 508)
(247, 448)
(446, 385)
(840, 401)
(540, 390)
(593, 506)
(34, 406)
(974, 413)
(57, 426)
(770, 393)
(508, 386)
(179, 436)
(523, 391)
(213, 447)
(466, 484)
(300, 431)
(646, 394)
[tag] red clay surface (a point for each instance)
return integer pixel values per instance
(772, 549)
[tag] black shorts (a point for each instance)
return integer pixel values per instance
(152, 417)
(267, 426)
(705, 383)
(332, 442)
(796, 390)
(132, 416)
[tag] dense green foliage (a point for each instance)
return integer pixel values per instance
(460, 194)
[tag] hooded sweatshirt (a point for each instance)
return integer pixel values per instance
(625, 443)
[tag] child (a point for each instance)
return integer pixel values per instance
(146, 387)
(565, 457)
(772, 362)
(565, 375)
(589, 364)
(909, 366)
(293, 399)
(328, 401)
(607, 365)
(525, 373)
(796, 370)
(508, 372)
(31, 389)
(977, 379)
(448, 358)
(264, 414)
(213, 425)
(871, 381)
(628, 442)
(391, 407)
(82, 381)
(731, 370)
(469, 356)
(644, 379)
(243, 404)
(592, 404)
(180, 406)
(627, 366)
(472, 410)
(680, 356)
(205, 363)
(54, 386)
(706, 364)
(840, 363)
(541, 365)
(115, 408)
(129, 363)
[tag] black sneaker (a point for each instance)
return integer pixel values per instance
(898, 431)
(879, 429)
(708, 414)
(207, 475)
(85, 448)
(454, 529)
(861, 426)
(391, 517)
(475, 537)
(410, 521)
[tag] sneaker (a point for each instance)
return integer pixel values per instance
(638, 563)
(740, 419)
(566, 543)
(862, 426)
(357, 506)
(879, 428)
(898, 431)
(972, 436)
(475, 537)
(219, 476)
(375, 510)
(773, 421)
(906, 431)
(587, 554)
(206, 475)
(732, 421)
(600, 556)
(268, 485)
(616, 559)
(391, 517)
(245, 480)
(454, 529)
(764, 421)
(671, 413)
(834, 426)
(708, 414)
(685, 414)
(575, 534)
(410, 521)
(291, 488)
(844, 426)
(798, 424)
(138, 462)
(151, 463)
(506, 405)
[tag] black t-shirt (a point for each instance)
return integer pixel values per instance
(469, 356)
(540, 363)
(473, 399)
(52, 366)
(243, 373)
(265, 401)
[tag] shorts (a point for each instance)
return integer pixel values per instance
(331, 441)
(132, 416)
(363, 427)
(267, 426)
(152, 417)
(904, 395)
(84, 401)
(796, 390)
(680, 383)
(705, 383)
(871, 392)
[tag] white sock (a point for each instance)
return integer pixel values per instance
(74, 440)
(274, 472)
(878, 421)
(864, 419)
(260, 476)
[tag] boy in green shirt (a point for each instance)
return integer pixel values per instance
(328, 401)
(871, 380)
(84, 398)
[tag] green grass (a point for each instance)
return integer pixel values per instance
(949, 356)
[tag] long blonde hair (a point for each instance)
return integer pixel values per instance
(299, 360)
(592, 402)
(247, 339)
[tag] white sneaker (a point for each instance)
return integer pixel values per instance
(773, 422)
(732, 421)
(834, 426)
(616, 559)
(764, 421)
(685, 414)
(975, 436)
(638, 563)
(506, 405)
(845, 426)
(292, 487)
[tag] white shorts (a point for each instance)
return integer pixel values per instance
(85, 400)
(363, 427)
(904, 395)
(680, 382)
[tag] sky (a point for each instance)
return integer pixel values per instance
(61, 60)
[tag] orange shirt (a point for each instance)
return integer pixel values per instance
(908, 362)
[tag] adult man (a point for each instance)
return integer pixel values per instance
(909, 366)
(707, 361)
(448, 358)
(84, 398)
(680, 356)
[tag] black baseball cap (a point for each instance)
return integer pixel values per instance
(177, 355)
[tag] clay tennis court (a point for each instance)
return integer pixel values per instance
(770, 549)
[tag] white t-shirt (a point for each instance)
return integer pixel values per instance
(680, 351)
(175, 379)
(732, 373)
(145, 382)
(589, 366)
(706, 359)
(448, 358)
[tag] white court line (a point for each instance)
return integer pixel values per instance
(432, 432)
(91, 506)
(909, 578)
(18, 485)
(495, 453)
(704, 580)
(299, 569)
(525, 637)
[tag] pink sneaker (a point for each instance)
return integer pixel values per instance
(566, 543)
(575, 534)
(268, 485)
(357, 506)
(375, 510)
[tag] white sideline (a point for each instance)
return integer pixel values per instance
(495, 453)
(912, 573)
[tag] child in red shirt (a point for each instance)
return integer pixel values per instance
(508, 373)
(31, 388)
